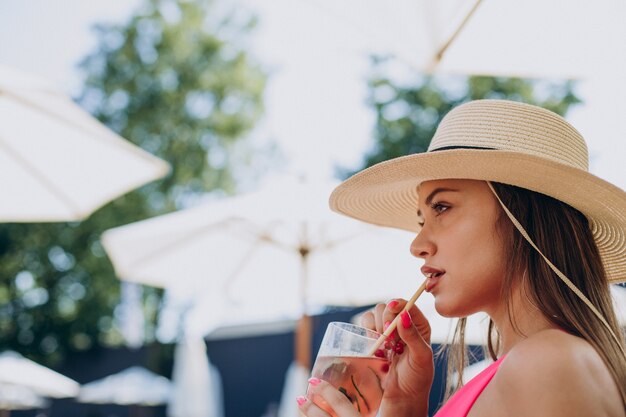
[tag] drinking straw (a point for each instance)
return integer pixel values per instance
(395, 321)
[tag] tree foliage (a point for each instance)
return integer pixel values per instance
(409, 111)
(176, 81)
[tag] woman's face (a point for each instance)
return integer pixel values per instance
(461, 246)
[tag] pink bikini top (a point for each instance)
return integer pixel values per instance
(462, 401)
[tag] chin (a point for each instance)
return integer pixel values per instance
(449, 309)
(444, 309)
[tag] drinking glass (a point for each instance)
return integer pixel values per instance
(344, 360)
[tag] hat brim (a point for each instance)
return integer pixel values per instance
(386, 193)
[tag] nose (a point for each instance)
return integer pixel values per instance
(422, 246)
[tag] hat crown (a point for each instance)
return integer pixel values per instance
(512, 126)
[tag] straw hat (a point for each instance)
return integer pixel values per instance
(501, 141)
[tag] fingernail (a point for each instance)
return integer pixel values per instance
(300, 400)
(387, 324)
(406, 319)
(314, 381)
(392, 303)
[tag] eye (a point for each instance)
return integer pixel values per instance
(439, 208)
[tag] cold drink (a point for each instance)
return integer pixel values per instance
(360, 379)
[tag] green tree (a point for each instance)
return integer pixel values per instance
(176, 81)
(409, 111)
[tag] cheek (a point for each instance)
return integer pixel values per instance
(476, 237)
(476, 270)
(482, 258)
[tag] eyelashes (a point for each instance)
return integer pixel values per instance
(437, 207)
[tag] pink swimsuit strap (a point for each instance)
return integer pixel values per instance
(462, 401)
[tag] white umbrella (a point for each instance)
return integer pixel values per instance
(278, 252)
(57, 163)
(197, 390)
(534, 38)
(531, 38)
(274, 253)
(133, 386)
(15, 397)
(281, 243)
(537, 39)
(17, 370)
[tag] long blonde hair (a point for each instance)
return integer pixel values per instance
(564, 235)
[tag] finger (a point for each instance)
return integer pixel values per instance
(421, 323)
(309, 408)
(378, 315)
(393, 308)
(409, 332)
(328, 398)
(368, 321)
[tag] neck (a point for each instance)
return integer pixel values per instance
(520, 321)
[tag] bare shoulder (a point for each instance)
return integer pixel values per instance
(554, 373)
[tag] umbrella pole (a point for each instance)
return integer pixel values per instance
(304, 331)
(303, 341)
(442, 50)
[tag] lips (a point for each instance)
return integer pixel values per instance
(433, 276)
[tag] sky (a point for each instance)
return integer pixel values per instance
(316, 56)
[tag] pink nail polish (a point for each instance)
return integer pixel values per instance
(392, 303)
(394, 334)
(314, 381)
(300, 400)
(386, 325)
(406, 319)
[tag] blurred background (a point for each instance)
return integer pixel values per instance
(165, 242)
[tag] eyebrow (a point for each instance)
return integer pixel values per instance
(432, 195)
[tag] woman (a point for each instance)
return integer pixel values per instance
(538, 262)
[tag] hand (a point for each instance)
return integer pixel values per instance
(322, 398)
(411, 373)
